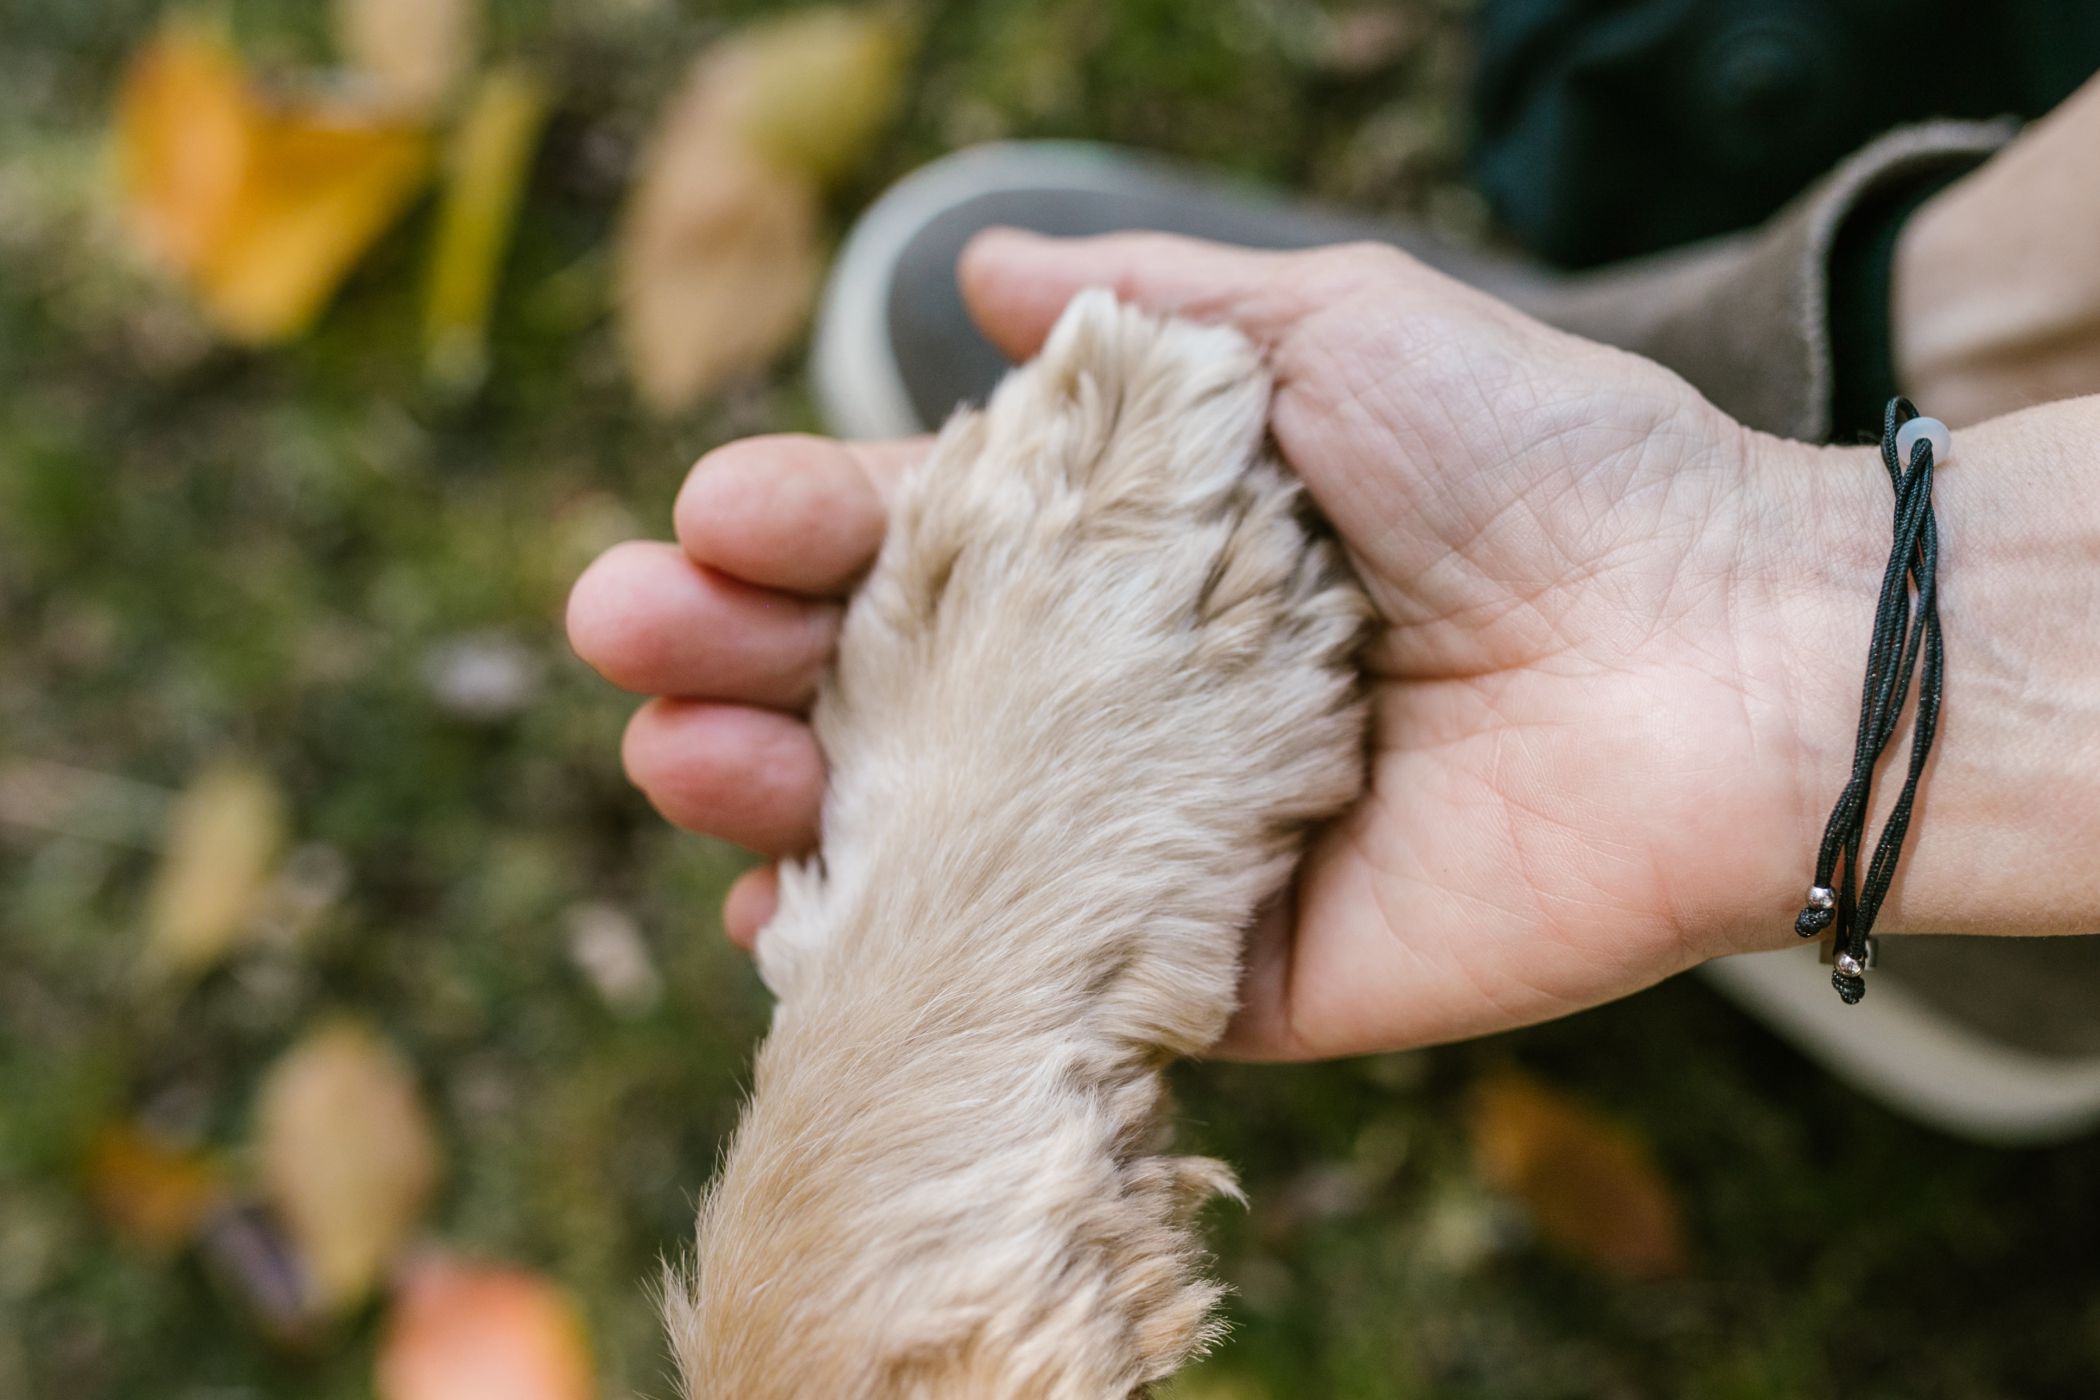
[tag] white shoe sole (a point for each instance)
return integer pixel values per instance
(1898, 1050)
(852, 366)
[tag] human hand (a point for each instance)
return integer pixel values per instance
(1994, 298)
(1596, 599)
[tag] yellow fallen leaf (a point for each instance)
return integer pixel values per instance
(464, 1331)
(718, 257)
(419, 49)
(345, 1154)
(485, 172)
(262, 205)
(222, 839)
(153, 1192)
(1593, 1189)
(808, 91)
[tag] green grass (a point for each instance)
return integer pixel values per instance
(205, 551)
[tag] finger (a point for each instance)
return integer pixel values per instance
(749, 905)
(749, 776)
(1016, 284)
(651, 621)
(791, 511)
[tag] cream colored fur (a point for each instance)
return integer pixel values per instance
(1097, 686)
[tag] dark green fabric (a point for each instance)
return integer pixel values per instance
(1609, 128)
(1862, 261)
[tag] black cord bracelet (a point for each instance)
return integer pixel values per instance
(1906, 641)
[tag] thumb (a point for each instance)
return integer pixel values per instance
(1017, 283)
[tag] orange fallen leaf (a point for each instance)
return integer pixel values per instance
(719, 257)
(466, 1331)
(1592, 1187)
(152, 1191)
(346, 1156)
(222, 839)
(261, 204)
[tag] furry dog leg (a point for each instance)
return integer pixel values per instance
(1097, 686)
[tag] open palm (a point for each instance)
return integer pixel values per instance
(1586, 774)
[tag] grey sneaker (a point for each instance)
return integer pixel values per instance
(1988, 1038)
(895, 351)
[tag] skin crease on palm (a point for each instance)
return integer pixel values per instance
(1601, 615)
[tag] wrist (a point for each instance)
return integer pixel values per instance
(2009, 810)
(1809, 563)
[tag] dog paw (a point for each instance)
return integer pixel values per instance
(1103, 663)
(1097, 684)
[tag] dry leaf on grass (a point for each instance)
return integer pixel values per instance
(419, 50)
(153, 1192)
(222, 839)
(719, 265)
(807, 92)
(346, 1157)
(485, 173)
(1592, 1187)
(465, 1331)
(261, 204)
(719, 258)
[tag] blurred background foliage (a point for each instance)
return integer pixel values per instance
(328, 924)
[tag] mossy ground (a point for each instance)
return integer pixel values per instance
(205, 551)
